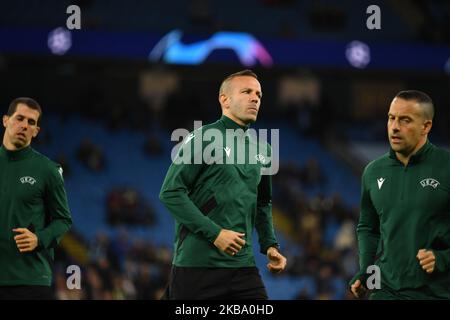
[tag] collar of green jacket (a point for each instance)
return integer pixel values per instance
(230, 124)
(418, 156)
(15, 154)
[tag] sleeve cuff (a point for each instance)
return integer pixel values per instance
(441, 265)
(362, 276)
(275, 245)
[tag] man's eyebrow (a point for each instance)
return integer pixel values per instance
(247, 88)
(400, 116)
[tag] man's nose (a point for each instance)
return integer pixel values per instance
(395, 126)
(255, 98)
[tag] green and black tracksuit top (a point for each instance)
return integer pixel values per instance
(210, 194)
(404, 209)
(32, 196)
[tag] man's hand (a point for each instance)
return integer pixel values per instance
(277, 262)
(26, 240)
(426, 259)
(229, 241)
(358, 289)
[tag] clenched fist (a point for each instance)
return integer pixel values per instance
(26, 240)
(426, 259)
(277, 262)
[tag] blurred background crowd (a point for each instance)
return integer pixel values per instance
(108, 120)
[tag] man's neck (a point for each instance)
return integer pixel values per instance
(405, 158)
(238, 121)
(11, 147)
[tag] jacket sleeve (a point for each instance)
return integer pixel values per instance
(442, 260)
(443, 255)
(57, 210)
(174, 194)
(368, 231)
(263, 220)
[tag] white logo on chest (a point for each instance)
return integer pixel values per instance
(227, 151)
(380, 182)
(429, 182)
(28, 179)
(189, 138)
(259, 157)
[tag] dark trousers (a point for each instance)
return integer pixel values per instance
(187, 283)
(26, 293)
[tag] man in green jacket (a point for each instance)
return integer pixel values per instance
(218, 193)
(34, 213)
(404, 226)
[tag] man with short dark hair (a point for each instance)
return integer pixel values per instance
(404, 225)
(217, 204)
(34, 213)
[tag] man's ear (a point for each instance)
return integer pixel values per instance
(36, 131)
(427, 126)
(5, 119)
(224, 100)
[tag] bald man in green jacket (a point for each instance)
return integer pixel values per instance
(404, 225)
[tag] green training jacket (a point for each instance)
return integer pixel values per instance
(32, 196)
(209, 193)
(404, 209)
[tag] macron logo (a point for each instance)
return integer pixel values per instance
(227, 151)
(189, 138)
(60, 170)
(259, 157)
(27, 179)
(380, 182)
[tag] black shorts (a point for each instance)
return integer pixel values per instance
(187, 283)
(26, 293)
